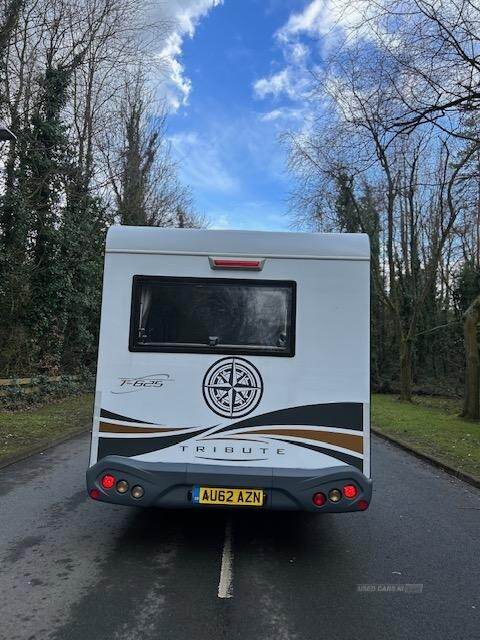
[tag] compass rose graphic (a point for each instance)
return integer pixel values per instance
(232, 387)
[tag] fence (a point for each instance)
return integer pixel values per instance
(30, 385)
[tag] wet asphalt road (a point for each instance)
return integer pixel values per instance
(74, 569)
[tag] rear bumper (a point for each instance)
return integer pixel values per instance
(169, 485)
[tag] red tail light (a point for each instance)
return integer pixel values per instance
(350, 491)
(362, 505)
(319, 499)
(108, 481)
(94, 494)
(237, 263)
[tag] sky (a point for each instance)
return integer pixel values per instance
(239, 76)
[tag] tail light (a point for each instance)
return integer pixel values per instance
(362, 505)
(350, 491)
(94, 494)
(319, 499)
(108, 481)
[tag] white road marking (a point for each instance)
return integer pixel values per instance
(225, 585)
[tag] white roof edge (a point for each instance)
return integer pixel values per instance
(267, 244)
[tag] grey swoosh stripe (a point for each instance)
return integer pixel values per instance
(136, 446)
(116, 416)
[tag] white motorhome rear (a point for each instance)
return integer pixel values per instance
(233, 368)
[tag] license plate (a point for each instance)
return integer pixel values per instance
(228, 496)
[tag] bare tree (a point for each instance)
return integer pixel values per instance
(432, 48)
(422, 178)
(142, 173)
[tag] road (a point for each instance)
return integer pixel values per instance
(73, 569)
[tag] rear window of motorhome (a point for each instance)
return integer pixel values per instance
(213, 315)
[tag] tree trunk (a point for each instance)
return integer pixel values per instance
(405, 369)
(471, 402)
(10, 18)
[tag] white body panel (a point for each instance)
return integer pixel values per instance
(164, 390)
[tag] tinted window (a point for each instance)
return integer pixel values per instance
(212, 315)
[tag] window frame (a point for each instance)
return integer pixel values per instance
(139, 280)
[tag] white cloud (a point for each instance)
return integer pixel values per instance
(274, 85)
(236, 169)
(320, 17)
(308, 21)
(183, 16)
(291, 81)
(219, 221)
(282, 114)
(202, 164)
(323, 20)
(297, 53)
(250, 215)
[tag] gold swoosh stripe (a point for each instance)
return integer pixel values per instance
(344, 440)
(107, 427)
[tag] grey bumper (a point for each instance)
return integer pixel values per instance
(170, 484)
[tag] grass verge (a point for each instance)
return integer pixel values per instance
(432, 426)
(30, 429)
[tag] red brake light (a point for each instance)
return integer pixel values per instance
(319, 499)
(350, 491)
(237, 263)
(108, 481)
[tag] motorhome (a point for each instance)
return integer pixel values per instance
(233, 371)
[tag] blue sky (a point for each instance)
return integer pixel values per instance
(238, 79)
